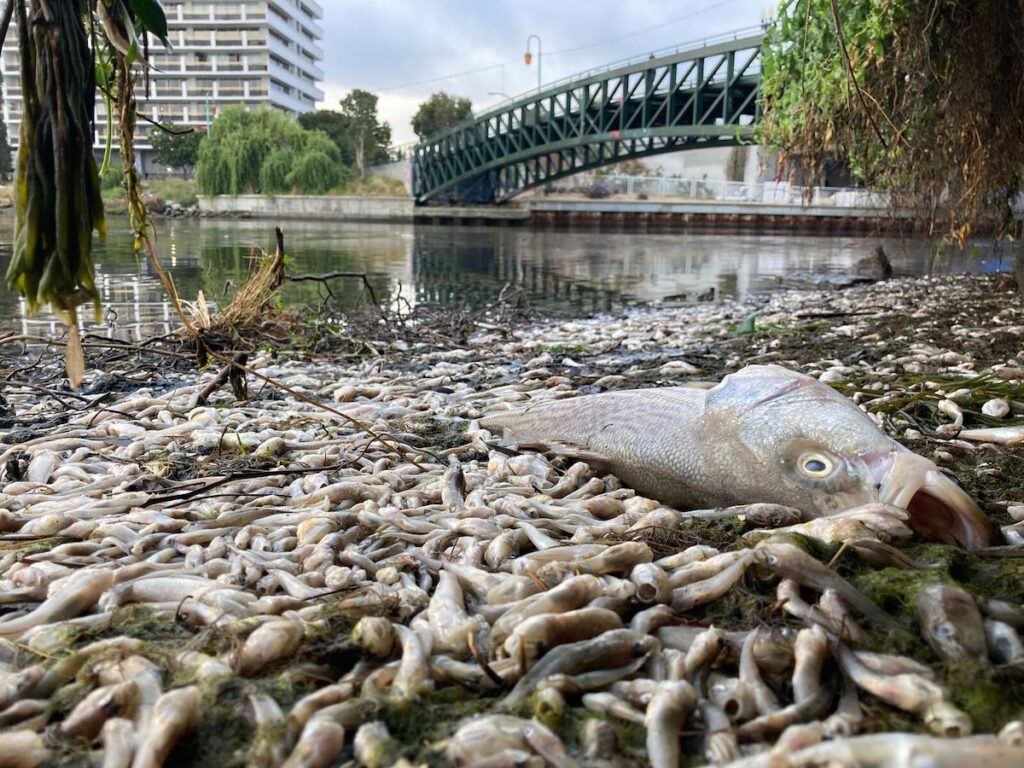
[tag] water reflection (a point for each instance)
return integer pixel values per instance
(565, 272)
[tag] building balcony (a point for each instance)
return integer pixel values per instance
(295, 36)
(293, 58)
(286, 101)
(179, 15)
(296, 82)
(312, 10)
(221, 41)
(207, 69)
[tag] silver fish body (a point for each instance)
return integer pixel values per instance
(764, 434)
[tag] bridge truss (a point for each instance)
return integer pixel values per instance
(691, 98)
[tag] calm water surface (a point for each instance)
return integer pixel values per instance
(566, 272)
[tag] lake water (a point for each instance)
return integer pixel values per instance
(565, 272)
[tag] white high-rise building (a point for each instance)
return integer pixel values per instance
(259, 53)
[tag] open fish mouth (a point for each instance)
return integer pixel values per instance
(939, 509)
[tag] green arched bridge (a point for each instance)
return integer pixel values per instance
(696, 97)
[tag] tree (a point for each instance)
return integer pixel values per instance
(263, 151)
(337, 126)
(923, 99)
(174, 149)
(371, 139)
(439, 113)
(5, 152)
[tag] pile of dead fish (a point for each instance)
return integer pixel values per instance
(532, 585)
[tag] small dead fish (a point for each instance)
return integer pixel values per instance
(615, 648)
(909, 692)
(791, 562)
(951, 622)
(894, 750)
(268, 643)
(671, 705)
(413, 677)
(318, 746)
(1004, 644)
(810, 653)
(89, 715)
(76, 595)
(541, 633)
(483, 740)
(175, 714)
(23, 749)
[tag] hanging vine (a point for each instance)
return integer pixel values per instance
(58, 206)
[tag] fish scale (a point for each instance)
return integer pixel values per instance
(616, 429)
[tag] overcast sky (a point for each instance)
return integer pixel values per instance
(392, 47)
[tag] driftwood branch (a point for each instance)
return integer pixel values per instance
(323, 280)
(228, 372)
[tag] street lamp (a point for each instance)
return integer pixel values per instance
(500, 93)
(528, 57)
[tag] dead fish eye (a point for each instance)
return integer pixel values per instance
(816, 465)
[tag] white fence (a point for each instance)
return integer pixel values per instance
(736, 191)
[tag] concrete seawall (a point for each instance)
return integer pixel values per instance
(687, 214)
(317, 207)
(541, 212)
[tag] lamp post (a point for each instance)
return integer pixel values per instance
(528, 57)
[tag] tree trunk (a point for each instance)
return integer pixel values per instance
(361, 157)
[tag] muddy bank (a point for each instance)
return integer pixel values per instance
(284, 579)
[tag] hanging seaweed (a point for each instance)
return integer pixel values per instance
(57, 189)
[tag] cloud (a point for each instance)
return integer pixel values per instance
(392, 46)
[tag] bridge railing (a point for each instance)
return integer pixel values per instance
(720, 190)
(691, 45)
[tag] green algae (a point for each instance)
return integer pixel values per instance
(720, 532)
(67, 697)
(916, 398)
(23, 549)
(991, 696)
(329, 641)
(631, 738)
(437, 434)
(419, 726)
(738, 608)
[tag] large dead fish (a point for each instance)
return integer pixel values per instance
(764, 434)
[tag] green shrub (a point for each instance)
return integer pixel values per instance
(372, 186)
(180, 191)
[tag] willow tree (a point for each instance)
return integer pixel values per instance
(263, 151)
(923, 98)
